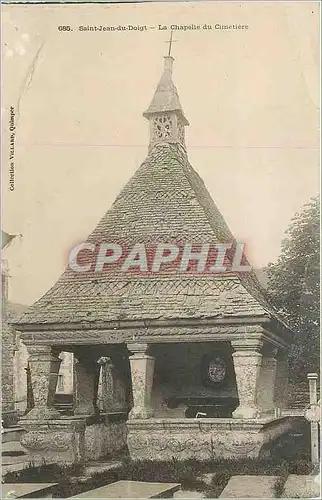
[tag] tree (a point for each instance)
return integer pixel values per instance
(294, 288)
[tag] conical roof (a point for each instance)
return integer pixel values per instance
(165, 201)
(166, 98)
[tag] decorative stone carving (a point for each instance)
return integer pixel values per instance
(142, 368)
(247, 363)
(43, 441)
(162, 127)
(44, 366)
(54, 440)
(183, 439)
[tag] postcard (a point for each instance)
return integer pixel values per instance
(161, 249)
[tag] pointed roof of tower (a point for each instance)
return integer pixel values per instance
(166, 98)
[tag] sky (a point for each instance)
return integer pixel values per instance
(251, 97)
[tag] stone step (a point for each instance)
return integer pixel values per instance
(28, 490)
(132, 489)
(12, 434)
(13, 448)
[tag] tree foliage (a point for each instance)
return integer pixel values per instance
(294, 287)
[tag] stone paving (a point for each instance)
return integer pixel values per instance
(250, 487)
(132, 489)
(182, 494)
(301, 487)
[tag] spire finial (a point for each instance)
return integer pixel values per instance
(170, 43)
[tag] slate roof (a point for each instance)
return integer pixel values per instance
(165, 201)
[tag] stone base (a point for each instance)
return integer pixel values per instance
(203, 439)
(140, 413)
(104, 438)
(60, 440)
(70, 440)
(247, 412)
(42, 413)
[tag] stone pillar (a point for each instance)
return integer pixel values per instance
(44, 367)
(142, 368)
(85, 387)
(281, 396)
(266, 386)
(247, 362)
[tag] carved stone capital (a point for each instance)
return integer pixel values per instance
(43, 353)
(105, 361)
(246, 347)
(138, 348)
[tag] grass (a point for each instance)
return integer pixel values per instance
(188, 473)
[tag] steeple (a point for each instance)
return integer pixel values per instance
(165, 114)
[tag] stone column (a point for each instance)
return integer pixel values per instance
(281, 396)
(266, 386)
(44, 367)
(85, 386)
(247, 362)
(142, 368)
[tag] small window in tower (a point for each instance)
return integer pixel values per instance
(162, 127)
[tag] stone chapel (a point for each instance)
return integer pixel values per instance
(192, 365)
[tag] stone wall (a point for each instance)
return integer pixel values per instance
(8, 346)
(204, 439)
(73, 440)
(7, 379)
(104, 438)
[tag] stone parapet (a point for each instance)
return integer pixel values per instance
(59, 440)
(72, 439)
(202, 439)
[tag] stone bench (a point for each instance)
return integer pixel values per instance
(27, 490)
(132, 489)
